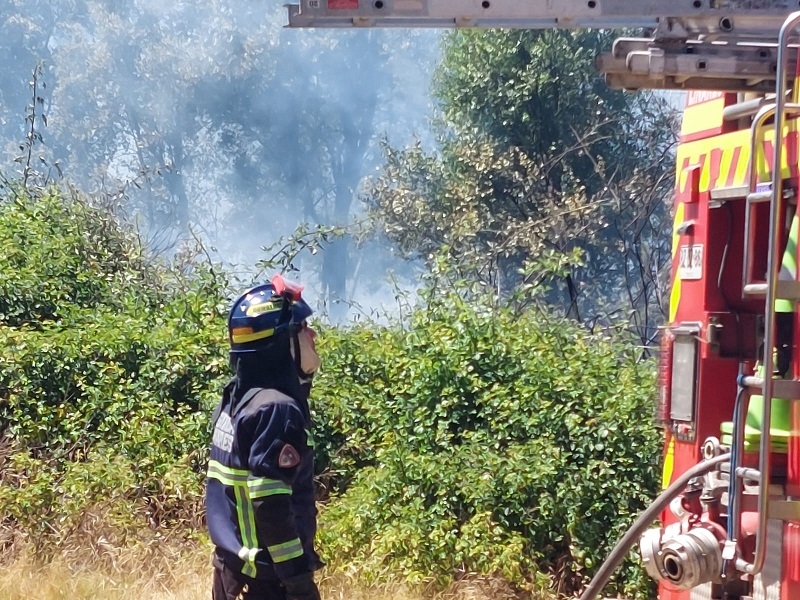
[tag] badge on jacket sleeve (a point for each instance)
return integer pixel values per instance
(289, 457)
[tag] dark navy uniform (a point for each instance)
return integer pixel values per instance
(260, 495)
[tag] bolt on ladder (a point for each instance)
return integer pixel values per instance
(773, 289)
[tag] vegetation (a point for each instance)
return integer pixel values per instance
(172, 575)
(107, 368)
(215, 119)
(543, 177)
(465, 441)
(480, 441)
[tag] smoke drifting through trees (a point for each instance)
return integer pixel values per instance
(216, 118)
(219, 122)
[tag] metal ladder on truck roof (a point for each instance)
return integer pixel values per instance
(695, 44)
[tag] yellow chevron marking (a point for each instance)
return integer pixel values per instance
(742, 171)
(698, 152)
(675, 293)
(725, 164)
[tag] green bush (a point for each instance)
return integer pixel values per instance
(480, 442)
(109, 366)
(465, 442)
(62, 256)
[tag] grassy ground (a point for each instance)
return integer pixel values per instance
(177, 574)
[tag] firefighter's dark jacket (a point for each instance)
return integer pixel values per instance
(260, 498)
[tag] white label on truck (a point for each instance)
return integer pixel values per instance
(691, 266)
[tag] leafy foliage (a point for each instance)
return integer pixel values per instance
(465, 441)
(477, 441)
(107, 369)
(63, 259)
(217, 119)
(539, 158)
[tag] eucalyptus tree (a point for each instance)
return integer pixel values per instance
(130, 108)
(306, 135)
(310, 132)
(544, 177)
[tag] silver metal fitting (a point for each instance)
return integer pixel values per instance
(686, 560)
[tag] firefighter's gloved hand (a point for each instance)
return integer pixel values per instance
(301, 587)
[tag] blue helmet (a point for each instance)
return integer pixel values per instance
(263, 312)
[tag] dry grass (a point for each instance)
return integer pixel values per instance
(180, 573)
(118, 575)
(338, 587)
(96, 561)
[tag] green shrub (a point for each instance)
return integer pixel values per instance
(61, 256)
(480, 442)
(467, 442)
(109, 366)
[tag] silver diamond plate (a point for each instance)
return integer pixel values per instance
(702, 592)
(767, 584)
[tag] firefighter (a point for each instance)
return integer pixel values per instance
(259, 498)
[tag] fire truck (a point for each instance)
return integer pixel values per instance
(729, 364)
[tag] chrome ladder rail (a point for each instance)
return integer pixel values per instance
(773, 290)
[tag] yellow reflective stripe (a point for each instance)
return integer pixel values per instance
(226, 475)
(286, 550)
(675, 293)
(247, 527)
(264, 307)
(228, 470)
(223, 479)
(669, 464)
(789, 261)
(246, 488)
(260, 488)
(249, 569)
(243, 338)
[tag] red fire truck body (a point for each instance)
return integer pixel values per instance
(716, 326)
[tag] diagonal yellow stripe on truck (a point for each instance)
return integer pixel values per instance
(717, 170)
(788, 267)
(675, 292)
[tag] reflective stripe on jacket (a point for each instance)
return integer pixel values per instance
(261, 516)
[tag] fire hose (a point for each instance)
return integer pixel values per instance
(644, 521)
